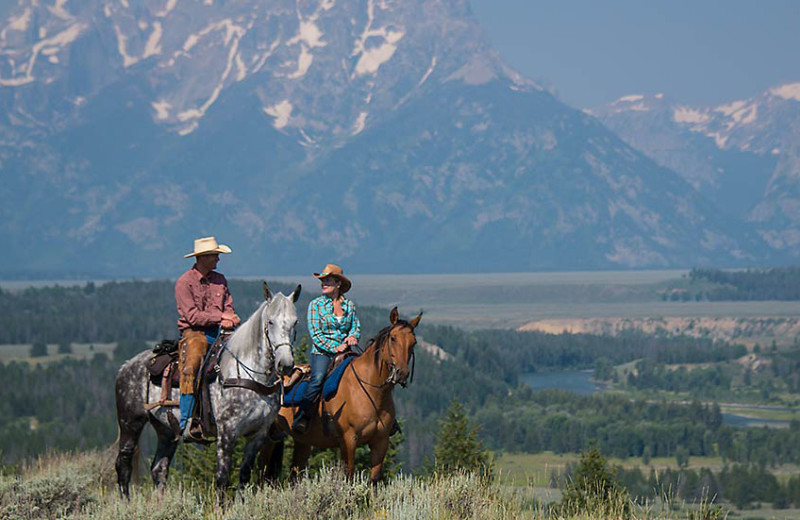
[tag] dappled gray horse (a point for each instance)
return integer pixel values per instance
(259, 350)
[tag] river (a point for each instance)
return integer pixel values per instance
(579, 382)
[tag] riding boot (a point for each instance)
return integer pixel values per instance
(301, 420)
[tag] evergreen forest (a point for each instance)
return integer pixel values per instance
(63, 403)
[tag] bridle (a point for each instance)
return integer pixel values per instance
(393, 372)
(273, 375)
(392, 379)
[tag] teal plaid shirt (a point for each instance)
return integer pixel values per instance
(326, 331)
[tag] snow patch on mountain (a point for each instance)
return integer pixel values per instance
(281, 112)
(689, 115)
(478, 71)
(372, 58)
(162, 109)
(167, 9)
(152, 47)
(309, 37)
(360, 123)
(739, 112)
(790, 91)
(57, 42)
(18, 23)
(58, 10)
(427, 72)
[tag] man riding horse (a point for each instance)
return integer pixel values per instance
(204, 307)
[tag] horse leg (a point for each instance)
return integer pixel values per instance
(251, 451)
(300, 456)
(225, 445)
(270, 461)
(348, 448)
(165, 451)
(129, 432)
(377, 453)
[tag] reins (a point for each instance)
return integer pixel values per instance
(251, 383)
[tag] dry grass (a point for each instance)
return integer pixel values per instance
(82, 486)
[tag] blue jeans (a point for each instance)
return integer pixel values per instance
(319, 367)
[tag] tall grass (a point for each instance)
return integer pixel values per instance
(82, 486)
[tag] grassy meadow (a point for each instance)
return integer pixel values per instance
(82, 486)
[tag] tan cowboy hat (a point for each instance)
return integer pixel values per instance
(208, 246)
(336, 272)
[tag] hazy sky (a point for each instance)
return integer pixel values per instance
(696, 52)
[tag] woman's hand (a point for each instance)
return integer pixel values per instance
(341, 348)
(351, 341)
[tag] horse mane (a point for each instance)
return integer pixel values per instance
(382, 336)
(248, 331)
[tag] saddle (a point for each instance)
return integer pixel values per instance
(164, 373)
(294, 384)
(163, 369)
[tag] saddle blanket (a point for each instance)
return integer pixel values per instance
(294, 395)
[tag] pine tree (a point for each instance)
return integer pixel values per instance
(594, 488)
(457, 445)
(39, 349)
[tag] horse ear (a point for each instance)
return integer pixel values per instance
(296, 293)
(393, 316)
(267, 293)
(415, 321)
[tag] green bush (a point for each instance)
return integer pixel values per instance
(39, 349)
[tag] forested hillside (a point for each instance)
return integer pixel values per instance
(779, 283)
(65, 405)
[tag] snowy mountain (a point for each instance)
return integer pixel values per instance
(744, 155)
(384, 135)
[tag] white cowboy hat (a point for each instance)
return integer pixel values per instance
(208, 246)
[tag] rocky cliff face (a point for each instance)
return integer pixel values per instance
(741, 155)
(385, 135)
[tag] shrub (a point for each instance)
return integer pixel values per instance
(39, 349)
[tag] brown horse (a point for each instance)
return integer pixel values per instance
(362, 411)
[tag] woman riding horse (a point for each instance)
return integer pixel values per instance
(362, 409)
(334, 328)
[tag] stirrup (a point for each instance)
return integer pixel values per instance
(194, 435)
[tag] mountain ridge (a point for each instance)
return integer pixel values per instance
(366, 123)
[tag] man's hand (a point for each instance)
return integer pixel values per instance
(227, 324)
(230, 320)
(351, 341)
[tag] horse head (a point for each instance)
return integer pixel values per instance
(279, 319)
(398, 349)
